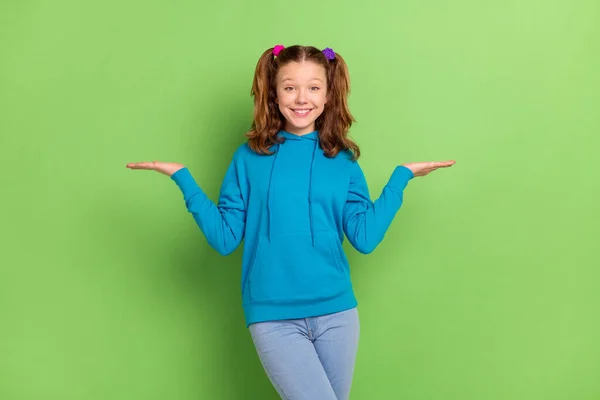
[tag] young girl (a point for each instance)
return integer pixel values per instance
(293, 191)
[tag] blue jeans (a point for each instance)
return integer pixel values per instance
(309, 358)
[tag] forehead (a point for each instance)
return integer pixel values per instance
(301, 71)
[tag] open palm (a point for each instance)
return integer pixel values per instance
(167, 168)
(424, 168)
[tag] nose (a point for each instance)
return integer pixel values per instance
(301, 98)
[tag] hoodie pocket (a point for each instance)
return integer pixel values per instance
(289, 269)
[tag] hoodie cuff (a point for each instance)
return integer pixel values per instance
(184, 179)
(400, 178)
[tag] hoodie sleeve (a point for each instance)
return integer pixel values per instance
(222, 224)
(365, 221)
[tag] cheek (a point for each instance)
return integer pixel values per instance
(283, 98)
(322, 100)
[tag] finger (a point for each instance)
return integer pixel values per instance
(135, 165)
(142, 165)
(438, 166)
(444, 164)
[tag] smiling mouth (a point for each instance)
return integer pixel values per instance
(301, 112)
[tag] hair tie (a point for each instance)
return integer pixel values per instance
(277, 49)
(329, 53)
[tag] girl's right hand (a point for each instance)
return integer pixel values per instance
(424, 168)
(166, 168)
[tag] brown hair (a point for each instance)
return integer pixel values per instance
(333, 124)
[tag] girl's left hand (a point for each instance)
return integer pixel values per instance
(424, 168)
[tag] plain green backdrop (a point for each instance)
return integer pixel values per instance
(486, 286)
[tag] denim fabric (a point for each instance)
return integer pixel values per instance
(309, 358)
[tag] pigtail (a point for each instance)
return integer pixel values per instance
(337, 119)
(266, 122)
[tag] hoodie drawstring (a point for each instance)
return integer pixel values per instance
(310, 180)
(269, 191)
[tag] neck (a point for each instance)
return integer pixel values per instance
(299, 132)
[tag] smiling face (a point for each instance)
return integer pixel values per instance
(301, 95)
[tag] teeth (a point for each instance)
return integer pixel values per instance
(302, 111)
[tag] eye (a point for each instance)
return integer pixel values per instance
(315, 88)
(288, 88)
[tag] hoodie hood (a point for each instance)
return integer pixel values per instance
(281, 148)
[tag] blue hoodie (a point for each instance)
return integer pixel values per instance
(292, 209)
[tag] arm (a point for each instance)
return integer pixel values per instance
(366, 222)
(222, 224)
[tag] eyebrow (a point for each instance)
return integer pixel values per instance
(313, 79)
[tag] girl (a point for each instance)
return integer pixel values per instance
(292, 191)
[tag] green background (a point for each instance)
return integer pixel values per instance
(485, 287)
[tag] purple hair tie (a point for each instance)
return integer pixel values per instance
(329, 53)
(277, 49)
